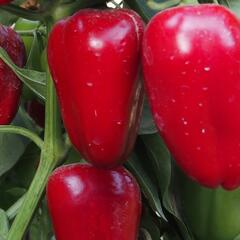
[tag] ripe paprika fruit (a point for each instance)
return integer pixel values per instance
(94, 60)
(96, 204)
(10, 85)
(191, 58)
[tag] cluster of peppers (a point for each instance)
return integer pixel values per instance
(101, 99)
(193, 101)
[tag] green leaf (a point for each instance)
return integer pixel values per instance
(148, 188)
(7, 18)
(41, 228)
(23, 172)
(73, 157)
(237, 237)
(4, 224)
(147, 125)
(170, 236)
(161, 162)
(34, 57)
(145, 235)
(148, 222)
(8, 141)
(35, 80)
(160, 159)
(234, 5)
(8, 158)
(16, 191)
(13, 210)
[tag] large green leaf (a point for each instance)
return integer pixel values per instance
(160, 159)
(23, 172)
(147, 125)
(148, 188)
(9, 141)
(4, 224)
(41, 228)
(149, 223)
(145, 235)
(8, 18)
(237, 237)
(35, 80)
(234, 5)
(9, 157)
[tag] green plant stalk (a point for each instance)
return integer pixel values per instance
(24, 132)
(50, 156)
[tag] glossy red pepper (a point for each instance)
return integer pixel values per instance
(88, 203)
(192, 71)
(10, 85)
(94, 61)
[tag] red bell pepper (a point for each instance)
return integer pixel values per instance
(191, 58)
(10, 85)
(93, 204)
(94, 60)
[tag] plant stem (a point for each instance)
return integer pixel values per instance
(51, 154)
(24, 132)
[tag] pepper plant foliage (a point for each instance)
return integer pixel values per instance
(174, 207)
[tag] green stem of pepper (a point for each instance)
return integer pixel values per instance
(52, 153)
(24, 132)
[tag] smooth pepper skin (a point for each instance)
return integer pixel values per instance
(94, 60)
(88, 203)
(191, 60)
(10, 85)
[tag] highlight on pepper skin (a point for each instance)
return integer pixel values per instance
(97, 204)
